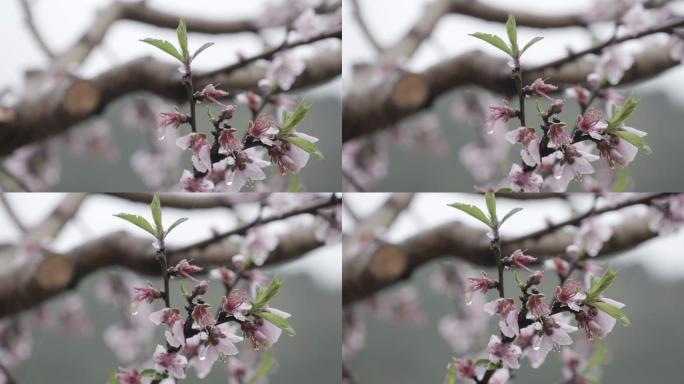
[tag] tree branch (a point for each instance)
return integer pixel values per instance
(38, 118)
(31, 24)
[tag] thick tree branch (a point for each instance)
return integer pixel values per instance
(196, 201)
(362, 280)
(27, 285)
(487, 12)
(381, 107)
(39, 118)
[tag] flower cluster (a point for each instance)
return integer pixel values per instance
(221, 160)
(536, 324)
(198, 334)
(558, 152)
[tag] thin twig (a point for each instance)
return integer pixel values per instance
(10, 212)
(358, 15)
(30, 23)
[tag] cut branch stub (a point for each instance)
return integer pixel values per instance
(54, 271)
(81, 98)
(410, 91)
(388, 263)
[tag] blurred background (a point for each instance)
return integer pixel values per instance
(650, 282)
(311, 292)
(660, 112)
(62, 24)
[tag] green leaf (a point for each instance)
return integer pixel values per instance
(148, 372)
(182, 32)
(267, 294)
(292, 120)
(184, 291)
(512, 31)
(622, 181)
(597, 288)
(155, 208)
(263, 369)
(490, 199)
(504, 190)
(493, 40)
(472, 211)
(277, 321)
(619, 116)
(635, 140)
(612, 311)
(451, 374)
(175, 224)
(112, 377)
(596, 359)
(164, 46)
(518, 282)
(294, 183)
(306, 145)
(531, 43)
(139, 221)
(200, 50)
(510, 214)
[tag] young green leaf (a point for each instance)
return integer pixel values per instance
(112, 377)
(612, 311)
(451, 374)
(202, 48)
(277, 321)
(294, 183)
(509, 214)
(619, 116)
(490, 198)
(531, 43)
(622, 181)
(512, 31)
(472, 211)
(175, 224)
(182, 32)
(263, 369)
(138, 221)
(306, 145)
(292, 120)
(155, 208)
(164, 46)
(635, 140)
(597, 288)
(267, 294)
(493, 40)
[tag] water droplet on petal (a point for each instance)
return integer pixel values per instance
(134, 309)
(537, 344)
(490, 131)
(557, 176)
(469, 302)
(203, 354)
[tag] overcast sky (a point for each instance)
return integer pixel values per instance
(95, 219)
(662, 257)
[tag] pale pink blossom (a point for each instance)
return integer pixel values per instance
(220, 342)
(613, 63)
(506, 353)
(307, 24)
(479, 285)
(250, 99)
(185, 269)
(552, 332)
(574, 162)
(212, 94)
(530, 144)
(263, 128)
(520, 260)
(190, 183)
(590, 123)
(579, 93)
(537, 307)
(258, 244)
(229, 143)
(201, 149)
(148, 294)
(617, 151)
(246, 167)
(171, 119)
(464, 368)
(525, 181)
(668, 218)
(596, 323)
(173, 321)
(506, 309)
(503, 113)
(591, 236)
(290, 158)
(559, 137)
(557, 106)
(570, 294)
(172, 362)
(236, 305)
(284, 69)
(224, 274)
(124, 376)
(638, 19)
(262, 333)
(202, 316)
(540, 88)
(557, 264)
